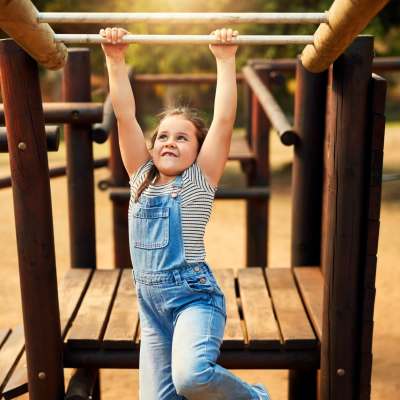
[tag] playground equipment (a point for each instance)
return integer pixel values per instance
(338, 26)
(317, 315)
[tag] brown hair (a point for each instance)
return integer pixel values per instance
(201, 132)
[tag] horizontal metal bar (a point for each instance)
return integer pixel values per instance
(187, 39)
(183, 17)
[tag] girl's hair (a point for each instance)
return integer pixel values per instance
(186, 113)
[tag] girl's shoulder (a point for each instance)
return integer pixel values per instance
(137, 177)
(195, 176)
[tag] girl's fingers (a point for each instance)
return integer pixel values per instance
(114, 34)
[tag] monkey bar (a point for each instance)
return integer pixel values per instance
(338, 27)
(187, 39)
(181, 17)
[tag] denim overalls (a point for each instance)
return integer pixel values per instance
(181, 308)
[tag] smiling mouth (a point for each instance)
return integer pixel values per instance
(169, 154)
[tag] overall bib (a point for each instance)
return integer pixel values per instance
(181, 308)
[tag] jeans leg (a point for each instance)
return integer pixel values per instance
(197, 338)
(155, 380)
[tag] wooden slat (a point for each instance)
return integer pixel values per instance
(89, 324)
(240, 150)
(10, 354)
(72, 289)
(70, 294)
(295, 327)
(3, 336)
(311, 284)
(124, 319)
(234, 337)
(261, 326)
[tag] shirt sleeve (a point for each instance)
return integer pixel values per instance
(139, 176)
(197, 177)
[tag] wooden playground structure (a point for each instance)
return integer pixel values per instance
(314, 319)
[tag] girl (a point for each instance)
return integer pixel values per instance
(181, 307)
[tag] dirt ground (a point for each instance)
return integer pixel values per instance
(226, 249)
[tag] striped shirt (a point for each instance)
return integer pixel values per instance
(197, 200)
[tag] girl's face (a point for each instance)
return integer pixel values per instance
(176, 145)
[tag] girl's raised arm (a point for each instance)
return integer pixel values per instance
(215, 149)
(132, 144)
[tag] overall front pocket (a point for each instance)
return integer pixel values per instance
(151, 227)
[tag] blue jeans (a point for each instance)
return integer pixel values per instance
(182, 312)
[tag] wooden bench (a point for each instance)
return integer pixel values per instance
(100, 322)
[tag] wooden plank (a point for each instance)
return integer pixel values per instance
(89, 325)
(261, 326)
(71, 291)
(124, 318)
(3, 336)
(295, 327)
(311, 285)
(10, 354)
(240, 150)
(234, 337)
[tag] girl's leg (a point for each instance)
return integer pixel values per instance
(155, 381)
(196, 345)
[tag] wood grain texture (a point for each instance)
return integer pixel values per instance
(311, 285)
(124, 318)
(294, 325)
(261, 327)
(89, 325)
(10, 354)
(234, 337)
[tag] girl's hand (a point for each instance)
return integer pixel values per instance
(222, 52)
(115, 49)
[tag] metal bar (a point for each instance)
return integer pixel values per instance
(270, 106)
(187, 39)
(183, 17)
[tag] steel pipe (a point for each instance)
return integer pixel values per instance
(187, 39)
(182, 17)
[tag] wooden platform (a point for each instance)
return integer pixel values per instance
(267, 324)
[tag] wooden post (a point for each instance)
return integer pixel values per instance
(79, 148)
(119, 177)
(345, 221)
(374, 162)
(307, 194)
(259, 175)
(80, 169)
(33, 221)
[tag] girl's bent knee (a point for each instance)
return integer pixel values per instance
(193, 382)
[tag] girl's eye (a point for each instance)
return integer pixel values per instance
(182, 137)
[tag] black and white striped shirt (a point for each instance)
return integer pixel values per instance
(197, 200)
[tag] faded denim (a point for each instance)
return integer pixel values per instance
(182, 311)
